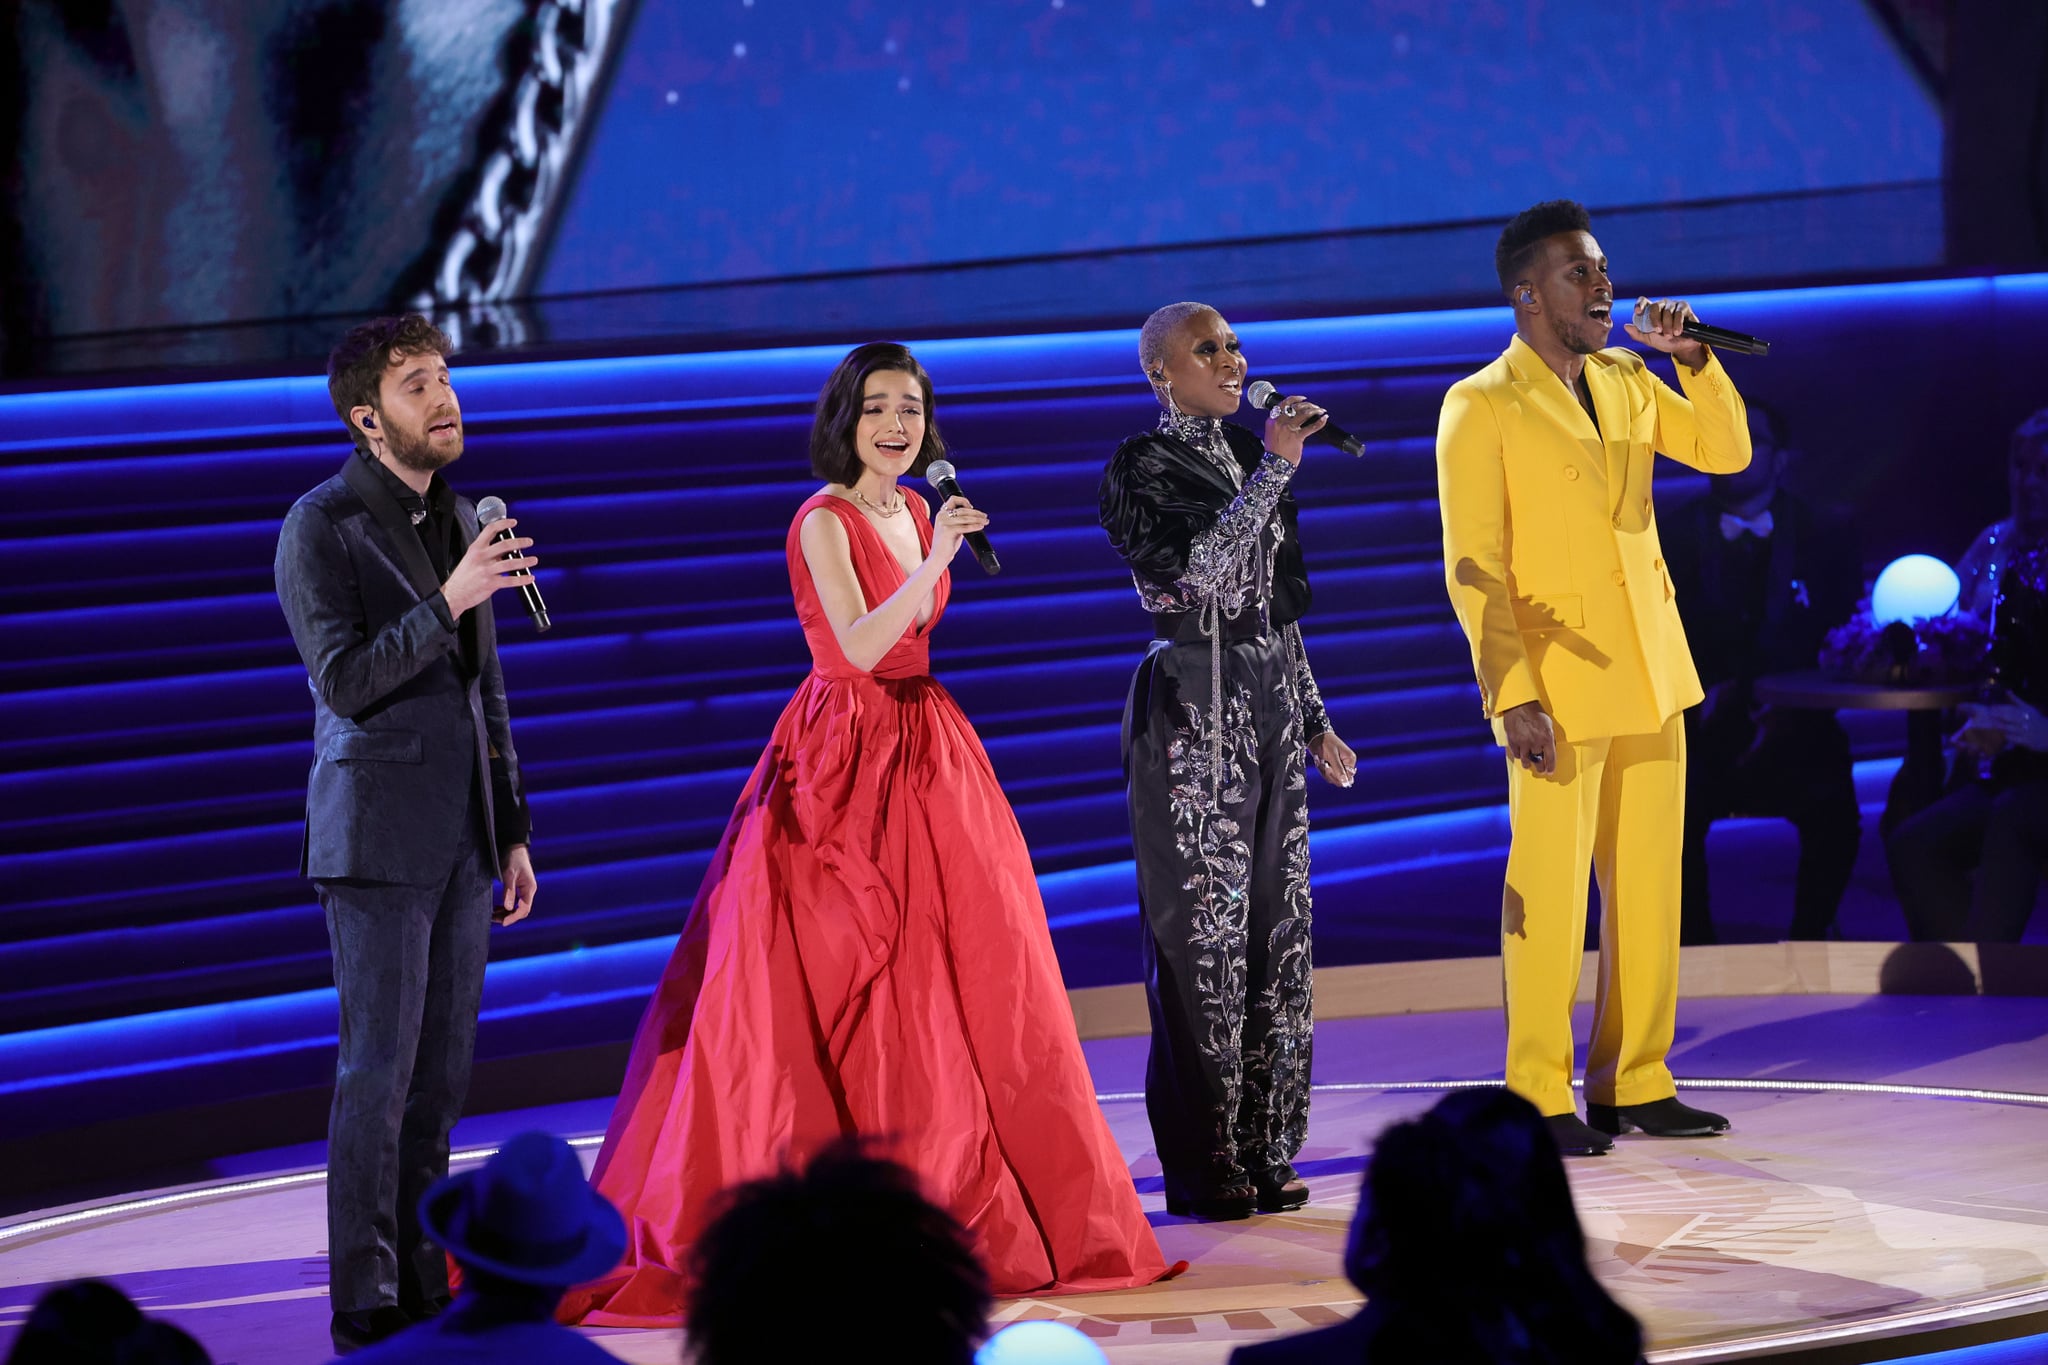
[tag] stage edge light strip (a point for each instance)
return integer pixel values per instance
(278, 1182)
(268, 1182)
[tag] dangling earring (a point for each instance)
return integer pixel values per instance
(1164, 388)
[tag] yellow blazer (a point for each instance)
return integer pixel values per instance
(1550, 535)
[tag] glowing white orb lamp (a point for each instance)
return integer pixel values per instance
(1913, 588)
(1039, 1343)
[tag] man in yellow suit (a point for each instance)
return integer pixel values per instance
(1550, 551)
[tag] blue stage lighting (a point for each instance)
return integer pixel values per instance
(1913, 588)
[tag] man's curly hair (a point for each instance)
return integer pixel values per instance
(1528, 229)
(874, 1255)
(355, 367)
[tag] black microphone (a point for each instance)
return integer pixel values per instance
(940, 476)
(1264, 395)
(493, 509)
(1720, 338)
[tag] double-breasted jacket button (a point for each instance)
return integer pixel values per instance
(1571, 473)
(1620, 579)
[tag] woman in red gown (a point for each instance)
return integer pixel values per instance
(868, 953)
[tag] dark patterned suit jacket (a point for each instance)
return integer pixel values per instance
(409, 717)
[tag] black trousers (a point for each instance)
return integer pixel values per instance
(409, 969)
(1999, 828)
(1222, 860)
(1794, 765)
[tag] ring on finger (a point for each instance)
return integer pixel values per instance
(1288, 410)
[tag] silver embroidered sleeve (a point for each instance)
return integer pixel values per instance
(1220, 561)
(1314, 719)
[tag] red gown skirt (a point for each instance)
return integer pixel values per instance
(868, 955)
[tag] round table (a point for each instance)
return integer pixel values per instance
(1919, 779)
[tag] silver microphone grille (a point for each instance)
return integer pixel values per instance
(490, 510)
(937, 472)
(1262, 394)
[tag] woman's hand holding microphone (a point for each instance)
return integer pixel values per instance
(1289, 423)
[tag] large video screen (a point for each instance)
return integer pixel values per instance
(189, 162)
(762, 138)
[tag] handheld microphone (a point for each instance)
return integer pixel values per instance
(940, 476)
(1264, 395)
(493, 509)
(1720, 338)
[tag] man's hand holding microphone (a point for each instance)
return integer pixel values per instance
(486, 566)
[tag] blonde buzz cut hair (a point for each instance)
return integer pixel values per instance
(1163, 323)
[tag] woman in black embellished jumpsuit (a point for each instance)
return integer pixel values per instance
(1222, 713)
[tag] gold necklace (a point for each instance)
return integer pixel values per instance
(873, 506)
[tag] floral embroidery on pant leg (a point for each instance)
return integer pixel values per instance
(1273, 1118)
(1210, 838)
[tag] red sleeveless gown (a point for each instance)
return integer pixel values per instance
(868, 954)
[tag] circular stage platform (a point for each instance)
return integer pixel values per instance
(1885, 1190)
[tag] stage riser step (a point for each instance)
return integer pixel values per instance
(670, 812)
(1068, 566)
(586, 672)
(1380, 874)
(1398, 860)
(173, 562)
(135, 491)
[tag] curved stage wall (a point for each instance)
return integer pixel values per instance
(166, 971)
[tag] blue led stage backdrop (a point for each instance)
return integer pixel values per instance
(180, 162)
(759, 138)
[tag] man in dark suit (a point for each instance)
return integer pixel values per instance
(414, 805)
(1761, 576)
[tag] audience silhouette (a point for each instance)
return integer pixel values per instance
(872, 1256)
(1468, 1249)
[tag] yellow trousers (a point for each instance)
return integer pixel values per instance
(1615, 806)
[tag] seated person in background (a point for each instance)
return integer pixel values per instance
(524, 1227)
(2025, 525)
(1468, 1250)
(844, 1260)
(88, 1322)
(1994, 817)
(1761, 576)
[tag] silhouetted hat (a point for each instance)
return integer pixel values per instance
(526, 1215)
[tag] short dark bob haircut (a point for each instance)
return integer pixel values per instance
(356, 365)
(1529, 229)
(833, 457)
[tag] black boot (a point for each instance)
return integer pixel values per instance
(1575, 1138)
(1659, 1118)
(1280, 1190)
(1225, 1206)
(423, 1310)
(354, 1331)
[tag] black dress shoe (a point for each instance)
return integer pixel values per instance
(425, 1310)
(1280, 1190)
(1239, 1201)
(354, 1331)
(1658, 1118)
(1575, 1138)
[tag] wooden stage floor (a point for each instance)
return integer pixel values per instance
(1887, 1178)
